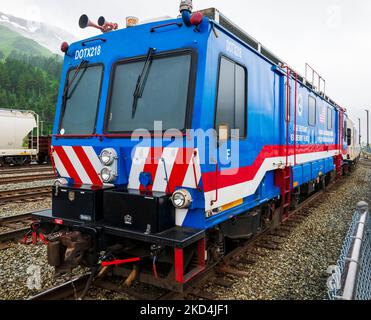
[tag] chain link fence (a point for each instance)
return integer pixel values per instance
(351, 278)
(366, 152)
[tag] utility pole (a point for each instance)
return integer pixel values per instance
(360, 136)
(42, 127)
(368, 132)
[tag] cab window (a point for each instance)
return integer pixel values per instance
(81, 99)
(312, 112)
(231, 100)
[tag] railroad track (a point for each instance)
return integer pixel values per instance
(28, 178)
(24, 166)
(246, 253)
(25, 195)
(70, 289)
(33, 169)
(15, 227)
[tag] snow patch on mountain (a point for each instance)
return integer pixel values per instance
(46, 35)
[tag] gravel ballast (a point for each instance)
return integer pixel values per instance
(25, 185)
(298, 270)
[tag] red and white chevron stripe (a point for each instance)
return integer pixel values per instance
(81, 164)
(169, 168)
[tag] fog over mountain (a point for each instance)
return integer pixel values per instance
(46, 35)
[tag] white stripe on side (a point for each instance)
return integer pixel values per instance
(180, 215)
(77, 165)
(59, 166)
(189, 179)
(235, 192)
(137, 165)
(164, 169)
(189, 182)
(94, 159)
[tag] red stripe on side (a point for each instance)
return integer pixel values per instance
(85, 162)
(180, 167)
(151, 165)
(67, 164)
(231, 177)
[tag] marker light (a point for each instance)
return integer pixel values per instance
(107, 156)
(64, 47)
(196, 18)
(181, 199)
(131, 22)
(106, 174)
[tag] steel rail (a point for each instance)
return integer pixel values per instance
(22, 194)
(28, 178)
(15, 231)
(69, 289)
(23, 167)
(6, 171)
(15, 218)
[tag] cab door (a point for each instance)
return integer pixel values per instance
(230, 120)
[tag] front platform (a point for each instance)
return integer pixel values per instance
(177, 237)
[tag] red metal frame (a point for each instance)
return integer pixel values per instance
(201, 245)
(118, 262)
(295, 115)
(287, 112)
(179, 263)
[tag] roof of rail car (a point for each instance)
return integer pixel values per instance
(259, 53)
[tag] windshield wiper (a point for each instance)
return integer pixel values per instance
(82, 64)
(139, 88)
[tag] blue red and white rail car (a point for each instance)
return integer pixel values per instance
(173, 137)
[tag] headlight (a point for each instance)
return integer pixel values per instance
(107, 175)
(107, 156)
(181, 199)
(60, 182)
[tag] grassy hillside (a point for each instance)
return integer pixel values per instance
(11, 42)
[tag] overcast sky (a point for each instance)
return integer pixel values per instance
(334, 36)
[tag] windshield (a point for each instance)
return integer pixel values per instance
(164, 95)
(81, 100)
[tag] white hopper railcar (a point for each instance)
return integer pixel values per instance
(17, 131)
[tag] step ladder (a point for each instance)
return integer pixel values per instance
(283, 181)
(338, 165)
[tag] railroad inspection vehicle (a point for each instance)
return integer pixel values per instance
(175, 139)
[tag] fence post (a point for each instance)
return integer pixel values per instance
(354, 258)
(362, 207)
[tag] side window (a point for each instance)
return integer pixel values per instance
(231, 102)
(329, 119)
(345, 130)
(312, 112)
(349, 136)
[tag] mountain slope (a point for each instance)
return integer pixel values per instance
(13, 41)
(46, 35)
